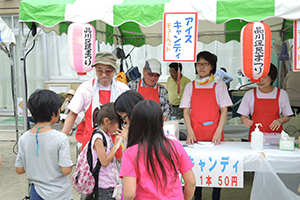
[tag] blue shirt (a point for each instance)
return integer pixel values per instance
(223, 76)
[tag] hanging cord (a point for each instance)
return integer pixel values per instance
(15, 147)
(26, 197)
(130, 60)
(121, 65)
(33, 30)
(13, 97)
(25, 74)
(126, 65)
(36, 137)
(133, 47)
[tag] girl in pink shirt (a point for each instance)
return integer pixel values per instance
(151, 162)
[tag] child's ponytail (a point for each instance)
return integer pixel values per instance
(95, 114)
(106, 111)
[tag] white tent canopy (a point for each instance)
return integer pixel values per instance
(139, 22)
(7, 37)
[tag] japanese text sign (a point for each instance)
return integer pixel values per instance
(180, 37)
(256, 50)
(88, 36)
(296, 46)
(81, 47)
(218, 169)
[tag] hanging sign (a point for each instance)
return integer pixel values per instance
(256, 50)
(296, 46)
(180, 36)
(81, 47)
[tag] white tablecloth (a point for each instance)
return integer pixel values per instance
(281, 161)
(266, 183)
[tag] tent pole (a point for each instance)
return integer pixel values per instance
(24, 89)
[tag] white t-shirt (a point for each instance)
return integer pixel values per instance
(222, 95)
(84, 95)
(247, 104)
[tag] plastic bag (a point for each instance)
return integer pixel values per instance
(267, 184)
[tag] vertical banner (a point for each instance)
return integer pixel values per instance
(180, 36)
(296, 46)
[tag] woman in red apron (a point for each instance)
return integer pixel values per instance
(206, 114)
(205, 118)
(264, 101)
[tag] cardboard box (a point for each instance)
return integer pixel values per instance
(288, 145)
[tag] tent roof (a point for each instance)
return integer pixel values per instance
(7, 37)
(139, 22)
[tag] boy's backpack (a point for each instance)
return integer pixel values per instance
(85, 178)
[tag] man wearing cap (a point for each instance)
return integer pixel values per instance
(150, 89)
(93, 93)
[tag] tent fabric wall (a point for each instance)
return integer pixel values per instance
(7, 43)
(139, 22)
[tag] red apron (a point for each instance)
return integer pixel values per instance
(88, 128)
(80, 131)
(148, 92)
(265, 111)
(205, 114)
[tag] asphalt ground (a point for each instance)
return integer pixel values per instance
(15, 187)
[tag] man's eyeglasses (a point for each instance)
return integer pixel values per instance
(108, 71)
(123, 118)
(202, 64)
(153, 75)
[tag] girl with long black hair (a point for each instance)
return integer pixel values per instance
(151, 162)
